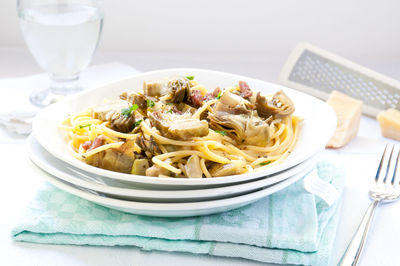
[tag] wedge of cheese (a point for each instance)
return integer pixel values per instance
(348, 112)
(389, 122)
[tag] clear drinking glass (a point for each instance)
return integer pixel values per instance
(62, 36)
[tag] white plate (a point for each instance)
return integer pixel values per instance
(319, 124)
(63, 171)
(170, 209)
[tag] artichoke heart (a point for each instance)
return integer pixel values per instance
(241, 128)
(278, 106)
(173, 89)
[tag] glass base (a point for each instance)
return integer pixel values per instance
(58, 89)
(44, 97)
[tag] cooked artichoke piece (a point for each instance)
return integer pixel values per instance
(180, 127)
(140, 166)
(224, 170)
(154, 88)
(280, 105)
(111, 112)
(161, 120)
(108, 110)
(173, 89)
(156, 170)
(192, 167)
(136, 98)
(233, 125)
(128, 148)
(233, 104)
(257, 132)
(187, 129)
(179, 89)
(150, 147)
(119, 160)
(112, 160)
(185, 108)
(243, 129)
(122, 123)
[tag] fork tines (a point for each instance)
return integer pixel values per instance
(388, 165)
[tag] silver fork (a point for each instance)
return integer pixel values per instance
(385, 189)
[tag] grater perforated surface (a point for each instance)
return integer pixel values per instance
(321, 73)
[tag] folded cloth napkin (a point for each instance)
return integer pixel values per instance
(291, 226)
(16, 112)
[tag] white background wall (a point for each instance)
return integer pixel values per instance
(352, 28)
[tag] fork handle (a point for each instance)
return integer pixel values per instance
(353, 251)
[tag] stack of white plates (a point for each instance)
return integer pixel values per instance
(173, 197)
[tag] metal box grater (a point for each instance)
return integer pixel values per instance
(318, 72)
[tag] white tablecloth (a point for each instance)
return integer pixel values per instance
(360, 157)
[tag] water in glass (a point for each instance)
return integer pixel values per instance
(62, 38)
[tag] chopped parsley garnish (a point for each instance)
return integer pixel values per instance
(265, 163)
(137, 123)
(150, 103)
(87, 125)
(223, 133)
(128, 111)
(169, 111)
(218, 96)
(190, 77)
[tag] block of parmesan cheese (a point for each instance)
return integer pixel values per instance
(389, 122)
(348, 112)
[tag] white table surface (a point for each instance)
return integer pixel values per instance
(19, 184)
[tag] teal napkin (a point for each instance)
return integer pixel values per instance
(291, 226)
